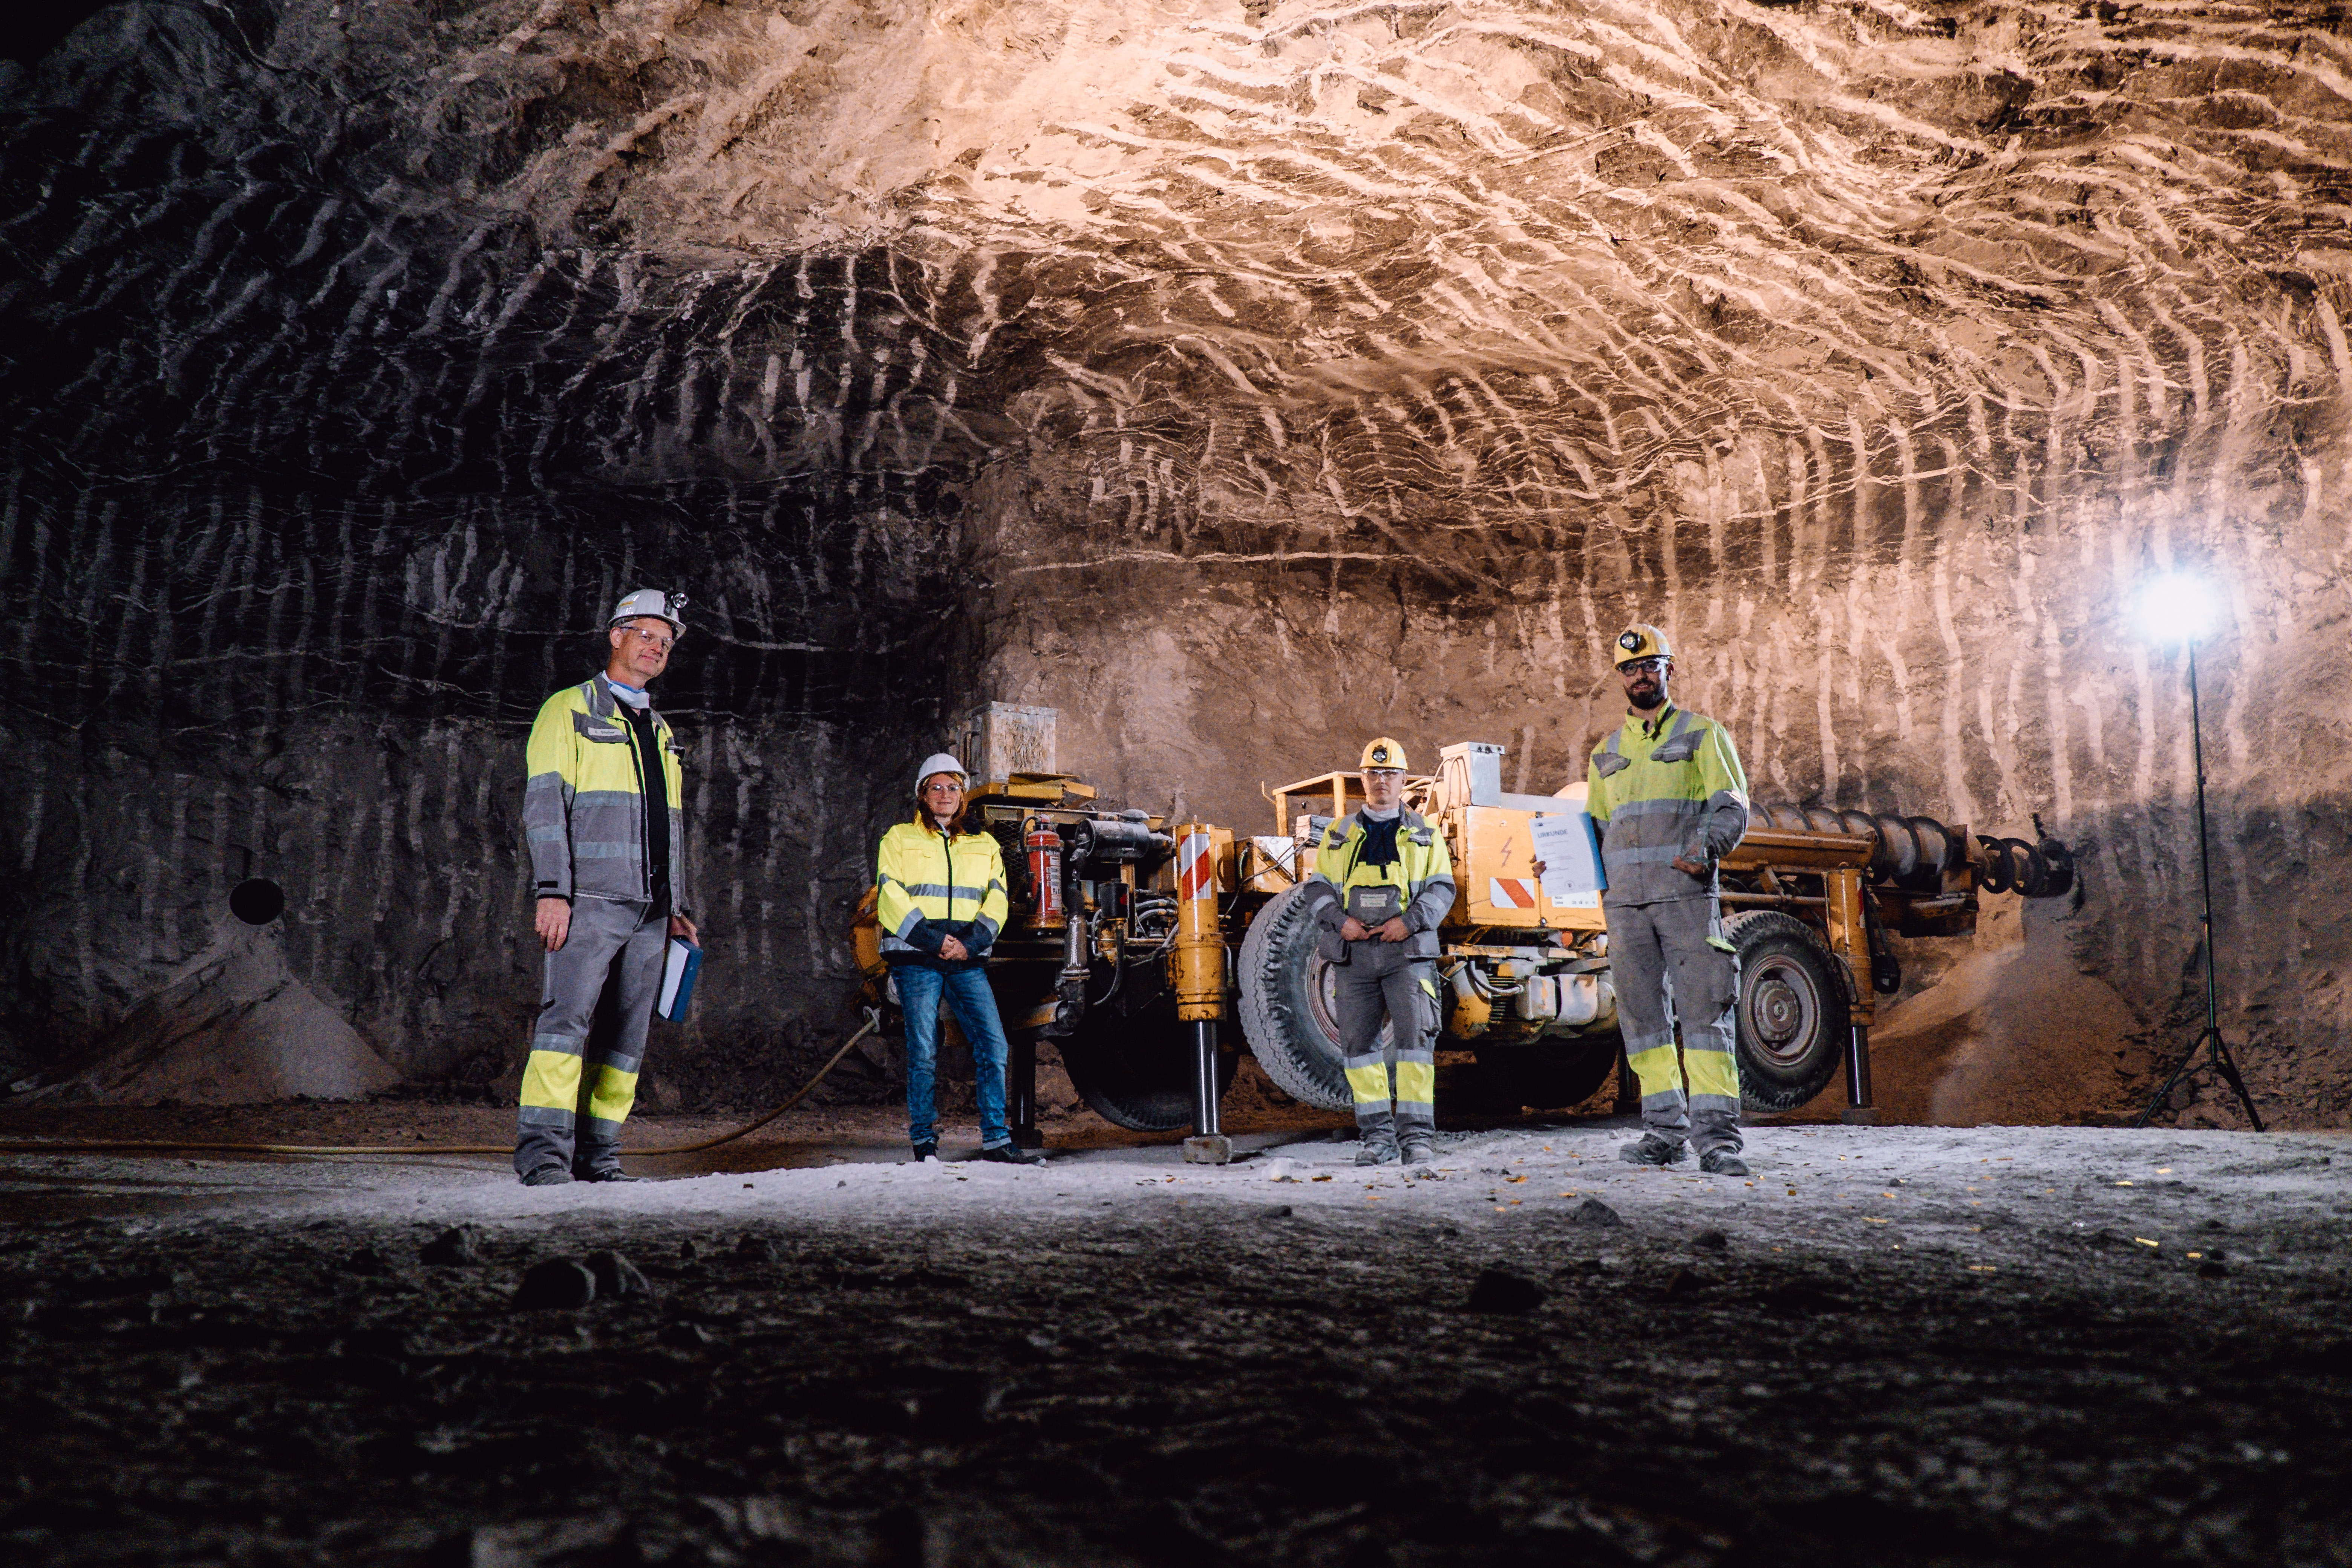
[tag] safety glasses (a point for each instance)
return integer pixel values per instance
(652, 639)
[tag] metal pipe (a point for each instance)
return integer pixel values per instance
(1205, 1123)
(1859, 1112)
(1806, 901)
(1070, 986)
(1020, 1089)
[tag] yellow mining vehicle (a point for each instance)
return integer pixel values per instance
(1135, 943)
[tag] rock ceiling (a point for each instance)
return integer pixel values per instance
(1417, 277)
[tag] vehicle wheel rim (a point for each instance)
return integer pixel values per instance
(1783, 1011)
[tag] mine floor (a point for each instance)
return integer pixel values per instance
(1905, 1345)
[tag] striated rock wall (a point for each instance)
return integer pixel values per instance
(1237, 378)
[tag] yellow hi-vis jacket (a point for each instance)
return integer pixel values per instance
(583, 810)
(929, 887)
(1423, 875)
(1661, 788)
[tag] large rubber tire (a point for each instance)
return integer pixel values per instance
(1131, 1060)
(1793, 1016)
(1551, 1075)
(1285, 1005)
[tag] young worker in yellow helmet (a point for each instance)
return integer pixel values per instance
(1667, 792)
(1383, 882)
(941, 901)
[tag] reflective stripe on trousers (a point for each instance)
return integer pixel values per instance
(1380, 982)
(1665, 972)
(567, 1111)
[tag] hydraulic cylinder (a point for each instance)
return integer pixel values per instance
(1199, 961)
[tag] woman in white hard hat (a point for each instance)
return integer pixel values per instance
(940, 900)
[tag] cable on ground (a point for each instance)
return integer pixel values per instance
(136, 1145)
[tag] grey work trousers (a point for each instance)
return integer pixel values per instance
(1379, 979)
(1665, 971)
(614, 954)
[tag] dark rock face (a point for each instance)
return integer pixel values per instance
(1237, 380)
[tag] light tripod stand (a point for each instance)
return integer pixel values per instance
(2215, 1048)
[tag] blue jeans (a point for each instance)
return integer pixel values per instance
(975, 1014)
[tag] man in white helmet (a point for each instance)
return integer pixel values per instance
(939, 898)
(603, 814)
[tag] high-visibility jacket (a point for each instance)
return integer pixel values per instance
(583, 810)
(1422, 874)
(929, 887)
(1665, 787)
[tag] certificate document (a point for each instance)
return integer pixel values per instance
(1569, 848)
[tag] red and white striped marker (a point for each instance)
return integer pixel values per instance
(1196, 867)
(1511, 893)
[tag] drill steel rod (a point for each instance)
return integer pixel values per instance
(1205, 1123)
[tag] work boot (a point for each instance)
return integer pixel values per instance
(926, 1152)
(1377, 1152)
(1653, 1150)
(1723, 1163)
(546, 1176)
(1419, 1151)
(1013, 1154)
(611, 1173)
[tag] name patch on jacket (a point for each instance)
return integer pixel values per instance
(595, 729)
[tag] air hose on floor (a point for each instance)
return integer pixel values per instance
(173, 1146)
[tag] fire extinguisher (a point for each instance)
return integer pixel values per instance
(1043, 846)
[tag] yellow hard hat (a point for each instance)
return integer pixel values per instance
(1642, 642)
(1383, 753)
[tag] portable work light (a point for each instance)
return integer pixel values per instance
(2178, 607)
(2181, 608)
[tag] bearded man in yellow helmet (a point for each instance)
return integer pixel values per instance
(1383, 880)
(1667, 792)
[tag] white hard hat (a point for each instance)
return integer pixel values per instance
(651, 602)
(941, 763)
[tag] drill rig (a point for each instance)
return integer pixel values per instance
(1133, 943)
